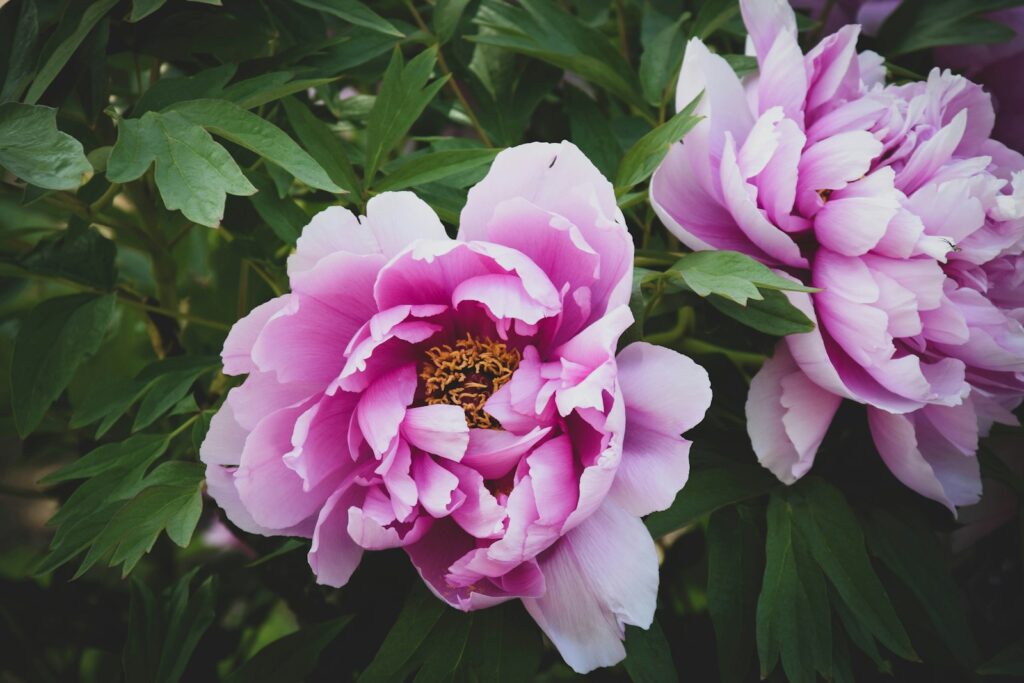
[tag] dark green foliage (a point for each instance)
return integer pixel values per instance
(158, 162)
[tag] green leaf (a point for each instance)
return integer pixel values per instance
(322, 144)
(915, 555)
(24, 51)
(1007, 662)
(546, 31)
(175, 378)
(292, 657)
(644, 156)
(136, 450)
(162, 636)
(922, 24)
(793, 615)
(592, 132)
(732, 275)
(244, 128)
(194, 173)
(166, 91)
(735, 565)
(443, 654)
(55, 337)
(32, 148)
(395, 658)
(447, 14)
(427, 168)
(171, 500)
(259, 90)
(713, 15)
(708, 490)
(355, 13)
(143, 8)
(835, 540)
(661, 60)
(79, 253)
(504, 645)
(58, 55)
(648, 655)
(773, 315)
(404, 94)
(283, 215)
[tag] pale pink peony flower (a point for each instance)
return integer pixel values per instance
(462, 399)
(892, 200)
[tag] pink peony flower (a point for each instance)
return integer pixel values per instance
(462, 399)
(996, 66)
(892, 200)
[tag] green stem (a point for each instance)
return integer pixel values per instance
(698, 347)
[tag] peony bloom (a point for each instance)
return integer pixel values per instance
(892, 200)
(996, 66)
(463, 399)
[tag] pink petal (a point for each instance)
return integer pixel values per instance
(333, 555)
(494, 453)
(398, 219)
(950, 478)
(333, 230)
(272, 493)
(237, 352)
(600, 576)
(787, 416)
(382, 407)
(855, 218)
(436, 486)
(317, 452)
(437, 429)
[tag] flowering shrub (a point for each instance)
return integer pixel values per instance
(646, 340)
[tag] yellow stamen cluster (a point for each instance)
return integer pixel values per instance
(467, 374)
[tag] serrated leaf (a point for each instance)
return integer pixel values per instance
(324, 146)
(58, 55)
(170, 501)
(773, 315)
(354, 12)
(79, 253)
(292, 657)
(404, 94)
(735, 566)
(834, 538)
(244, 128)
(169, 388)
(32, 148)
(55, 337)
(137, 450)
(644, 156)
(732, 275)
(708, 490)
(434, 166)
(193, 173)
(648, 655)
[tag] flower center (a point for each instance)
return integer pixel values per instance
(466, 375)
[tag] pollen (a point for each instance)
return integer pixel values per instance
(467, 374)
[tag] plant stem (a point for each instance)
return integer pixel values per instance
(452, 84)
(699, 347)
